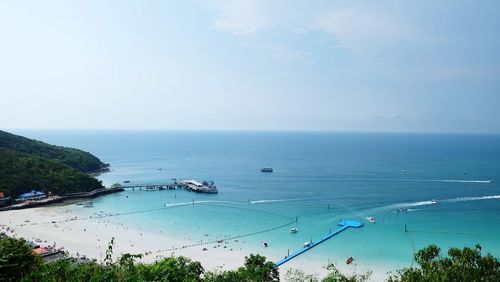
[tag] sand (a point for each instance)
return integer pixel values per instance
(59, 226)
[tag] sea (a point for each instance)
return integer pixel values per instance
(421, 189)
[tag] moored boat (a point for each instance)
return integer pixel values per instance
(266, 169)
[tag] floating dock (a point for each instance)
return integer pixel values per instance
(344, 224)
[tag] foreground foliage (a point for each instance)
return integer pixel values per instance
(465, 264)
(19, 263)
(16, 259)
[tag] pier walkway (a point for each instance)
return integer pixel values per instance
(207, 187)
(344, 224)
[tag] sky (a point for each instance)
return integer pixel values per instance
(377, 66)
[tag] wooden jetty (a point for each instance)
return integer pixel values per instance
(344, 224)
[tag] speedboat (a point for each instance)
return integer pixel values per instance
(402, 209)
(349, 260)
(371, 219)
(433, 201)
(307, 244)
(266, 169)
(293, 230)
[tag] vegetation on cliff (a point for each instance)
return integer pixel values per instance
(75, 158)
(28, 164)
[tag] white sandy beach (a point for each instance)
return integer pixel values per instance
(58, 225)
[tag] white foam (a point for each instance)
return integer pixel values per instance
(415, 204)
(278, 200)
(465, 181)
(466, 199)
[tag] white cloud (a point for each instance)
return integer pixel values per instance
(358, 28)
(241, 17)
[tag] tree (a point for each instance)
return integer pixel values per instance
(465, 264)
(16, 259)
(256, 268)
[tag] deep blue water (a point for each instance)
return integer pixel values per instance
(318, 177)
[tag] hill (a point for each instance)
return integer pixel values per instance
(75, 158)
(26, 164)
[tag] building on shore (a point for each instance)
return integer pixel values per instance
(33, 195)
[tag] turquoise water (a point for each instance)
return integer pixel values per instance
(318, 178)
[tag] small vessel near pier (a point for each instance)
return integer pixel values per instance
(199, 187)
(266, 169)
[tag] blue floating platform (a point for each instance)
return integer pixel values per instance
(344, 224)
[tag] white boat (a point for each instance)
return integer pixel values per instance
(371, 219)
(293, 230)
(307, 244)
(434, 201)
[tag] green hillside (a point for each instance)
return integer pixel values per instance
(26, 164)
(75, 158)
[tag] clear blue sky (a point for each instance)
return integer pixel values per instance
(425, 66)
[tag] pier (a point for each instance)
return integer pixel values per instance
(190, 185)
(344, 224)
(166, 186)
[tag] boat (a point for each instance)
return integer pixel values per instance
(402, 209)
(266, 169)
(150, 188)
(349, 260)
(371, 219)
(433, 201)
(126, 181)
(203, 187)
(293, 230)
(307, 244)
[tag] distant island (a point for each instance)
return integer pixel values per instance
(27, 164)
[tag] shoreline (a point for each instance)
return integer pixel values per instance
(54, 200)
(91, 238)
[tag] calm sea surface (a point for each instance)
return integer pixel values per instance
(318, 178)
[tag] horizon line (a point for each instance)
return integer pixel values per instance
(255, 130)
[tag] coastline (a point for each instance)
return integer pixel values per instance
(61, 226)
(49, 201)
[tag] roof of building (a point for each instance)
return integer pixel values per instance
(194, 182)
(31, 194)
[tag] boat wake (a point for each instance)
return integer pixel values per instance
(201, 202)
(466, 199)
(279, 200)
(418, 180)
(464, 181)
(407, 206)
